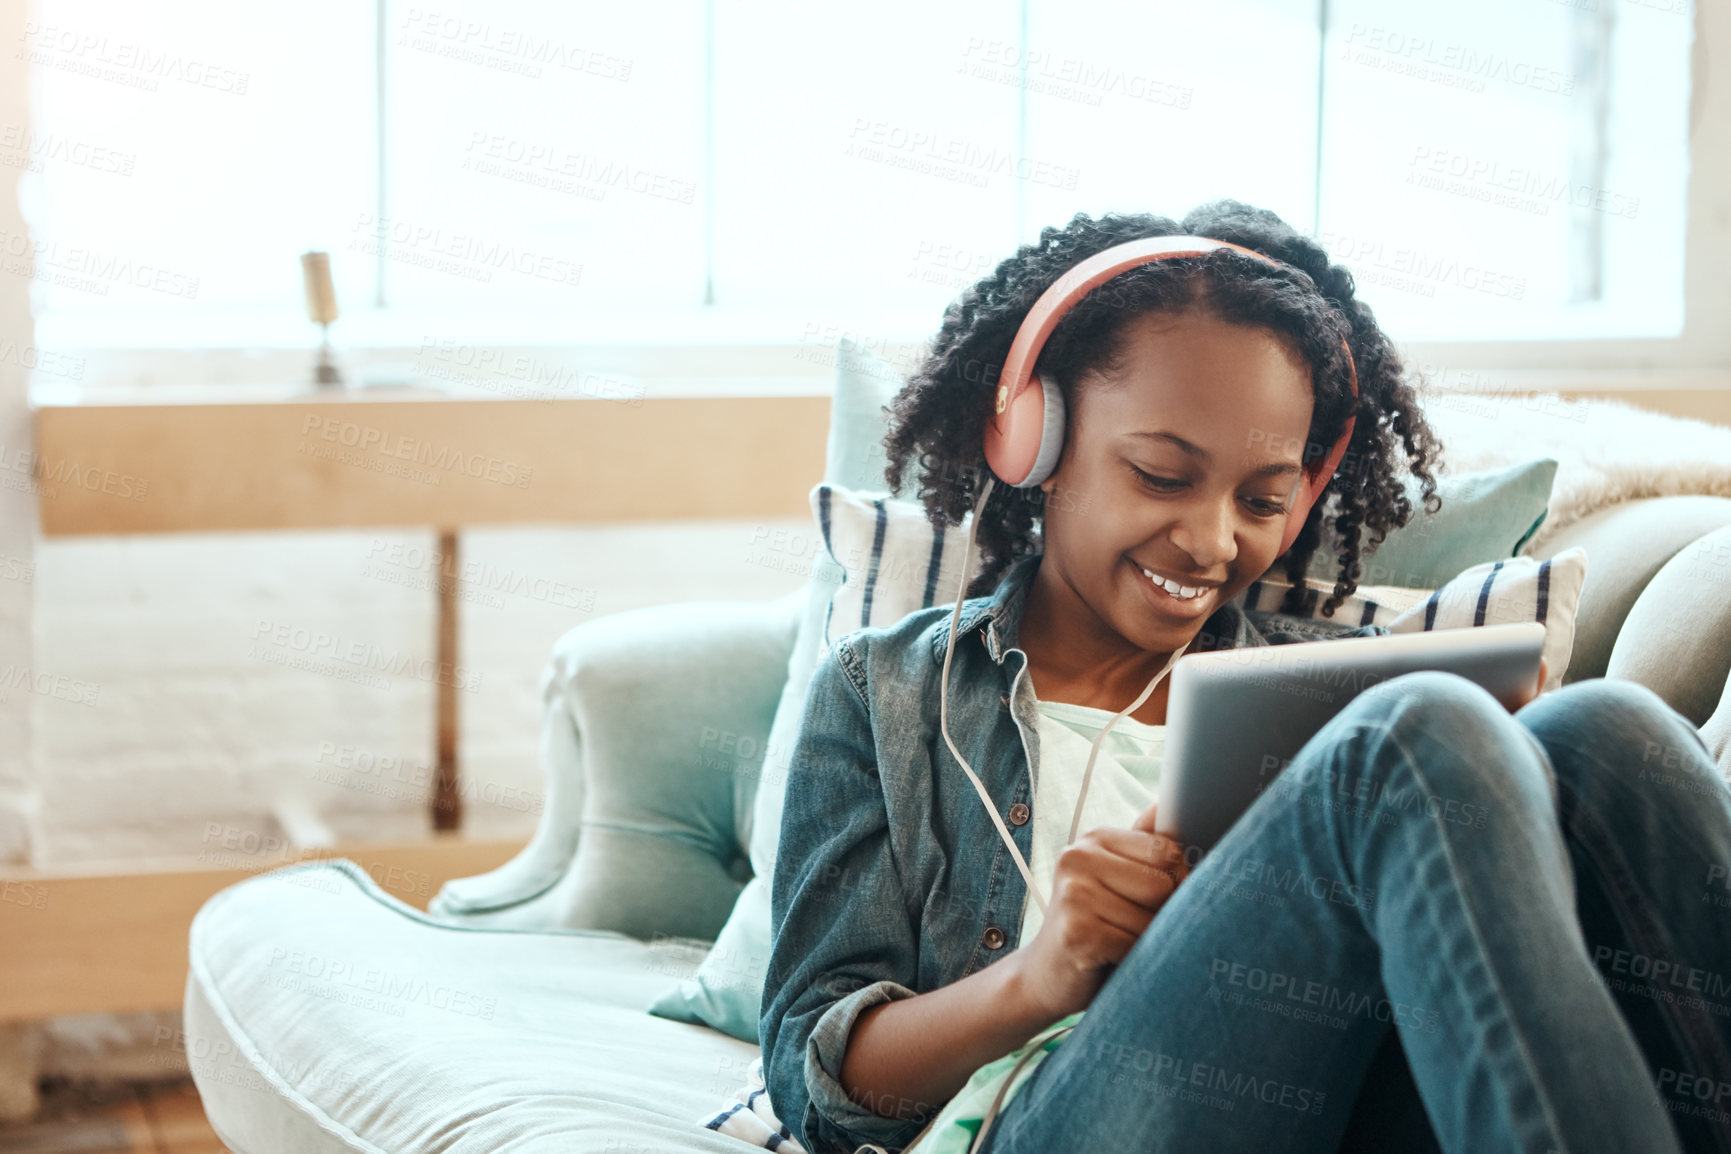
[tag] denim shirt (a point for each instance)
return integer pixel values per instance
(890, 878)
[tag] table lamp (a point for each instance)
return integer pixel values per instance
(322, 310)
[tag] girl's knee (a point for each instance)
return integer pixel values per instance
(1433, 684)
(1602, 711)
(1431, 701)
(1616, 721)
(1448, 737)
(1607, 705)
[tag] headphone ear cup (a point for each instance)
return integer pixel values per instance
(1051, 432)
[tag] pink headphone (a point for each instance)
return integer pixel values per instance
(1026, 436)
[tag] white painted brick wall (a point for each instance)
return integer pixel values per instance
(17, 504)
(176, 717)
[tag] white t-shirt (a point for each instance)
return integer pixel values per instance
(1126, 778)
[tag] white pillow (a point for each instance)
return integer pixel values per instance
(894, 561)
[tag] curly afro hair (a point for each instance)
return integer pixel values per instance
(938, 420)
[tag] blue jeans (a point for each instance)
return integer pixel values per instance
(1441, 926)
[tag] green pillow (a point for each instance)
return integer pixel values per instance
(1484, 517)
(726, 991)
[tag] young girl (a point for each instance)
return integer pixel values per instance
(1529, 960)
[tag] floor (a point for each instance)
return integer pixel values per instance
(141, 1118)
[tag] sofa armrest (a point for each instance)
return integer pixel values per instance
(654, 724)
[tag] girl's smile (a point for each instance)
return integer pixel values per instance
(1165, 596)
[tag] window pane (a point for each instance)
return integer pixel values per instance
(1160, 107)
(184, 153)
(1498, 170)
(1489, 170)
(543, 157)
(860, 165)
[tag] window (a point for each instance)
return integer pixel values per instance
(1490, 169)
(182, 157)
(1499, 170)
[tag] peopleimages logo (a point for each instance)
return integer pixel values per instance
(507, 49)
(56, 685)
(1416, 270)
(135, 65)
(22, 148)
(45, 477)
(494, 154)
(1519, 187)
(951, 158)
(1067, 77)
(288, 644)
(1455, 65)
(390, 990)
(367, 438)
(459, 254)
(89, 270)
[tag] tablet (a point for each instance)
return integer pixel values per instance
(1236, 717)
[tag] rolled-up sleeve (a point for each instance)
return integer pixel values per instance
(842, 938)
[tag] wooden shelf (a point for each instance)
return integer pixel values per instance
(105, 938)
(311, 462)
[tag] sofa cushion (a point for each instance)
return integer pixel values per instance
(1483, 517)
(453, 1038)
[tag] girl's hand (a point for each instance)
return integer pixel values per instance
(1525, 695)
(1107, 886)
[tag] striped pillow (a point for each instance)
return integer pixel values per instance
(894, 562)
(1515, 589)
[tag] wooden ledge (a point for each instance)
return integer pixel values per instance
(106, 939)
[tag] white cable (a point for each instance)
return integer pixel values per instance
(944, 716)
(944, 704)
(1088, 773)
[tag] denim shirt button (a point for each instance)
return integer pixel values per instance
(1018, 814)
(994, 937)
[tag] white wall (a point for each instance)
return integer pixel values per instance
(196, 719)
(17, 505)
